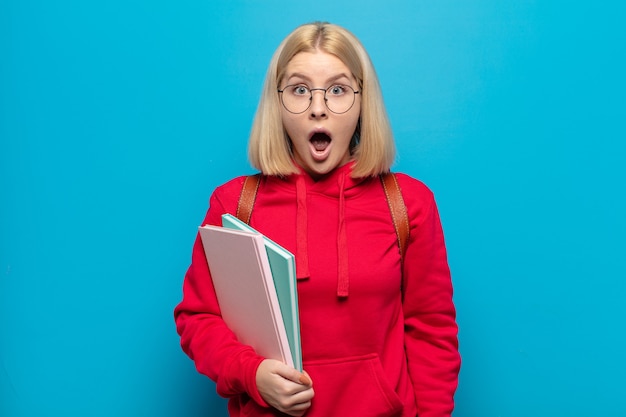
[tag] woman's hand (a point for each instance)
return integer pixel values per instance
(284, 387)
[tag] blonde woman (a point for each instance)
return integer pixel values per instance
(378, 329)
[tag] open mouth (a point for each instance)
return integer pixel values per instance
(320, 141)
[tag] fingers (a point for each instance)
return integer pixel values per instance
(298, 409)
(293, 375)
(305, 379)
(298, 404)
(284, 387)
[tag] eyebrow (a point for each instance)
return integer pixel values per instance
(330, 80)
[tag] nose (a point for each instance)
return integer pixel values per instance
(318, 107)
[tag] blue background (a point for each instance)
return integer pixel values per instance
(118, 118)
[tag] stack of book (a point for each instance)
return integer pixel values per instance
(255, 283)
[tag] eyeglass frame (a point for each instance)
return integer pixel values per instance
(325, 90)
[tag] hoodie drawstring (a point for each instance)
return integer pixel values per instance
(302, 250)
(302, 253)
(343, 280)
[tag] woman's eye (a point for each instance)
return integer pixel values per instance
(300, 90)
(337, 90)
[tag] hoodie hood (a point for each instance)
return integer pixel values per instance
(337, 185)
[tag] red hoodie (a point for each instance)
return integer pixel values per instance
(375, 342)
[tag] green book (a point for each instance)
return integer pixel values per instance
(283, 267)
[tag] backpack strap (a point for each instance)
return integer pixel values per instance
(247, 197)
(397, 207)
(392, 192)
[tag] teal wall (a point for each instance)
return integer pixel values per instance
(118, 118)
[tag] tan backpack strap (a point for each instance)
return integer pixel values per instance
(398, 210)
(247, 197)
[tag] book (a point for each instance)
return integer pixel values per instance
(245, 290)
(283, 267)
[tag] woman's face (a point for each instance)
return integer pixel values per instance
(320, 138)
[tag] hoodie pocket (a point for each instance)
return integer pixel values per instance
(353, 386)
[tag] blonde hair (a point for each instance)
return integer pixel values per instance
(372, 146)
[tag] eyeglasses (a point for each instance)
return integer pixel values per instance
(297, 98)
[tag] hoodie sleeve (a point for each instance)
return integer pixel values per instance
(430, 317)
(205, 338)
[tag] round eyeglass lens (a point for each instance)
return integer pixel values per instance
(340, 98)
